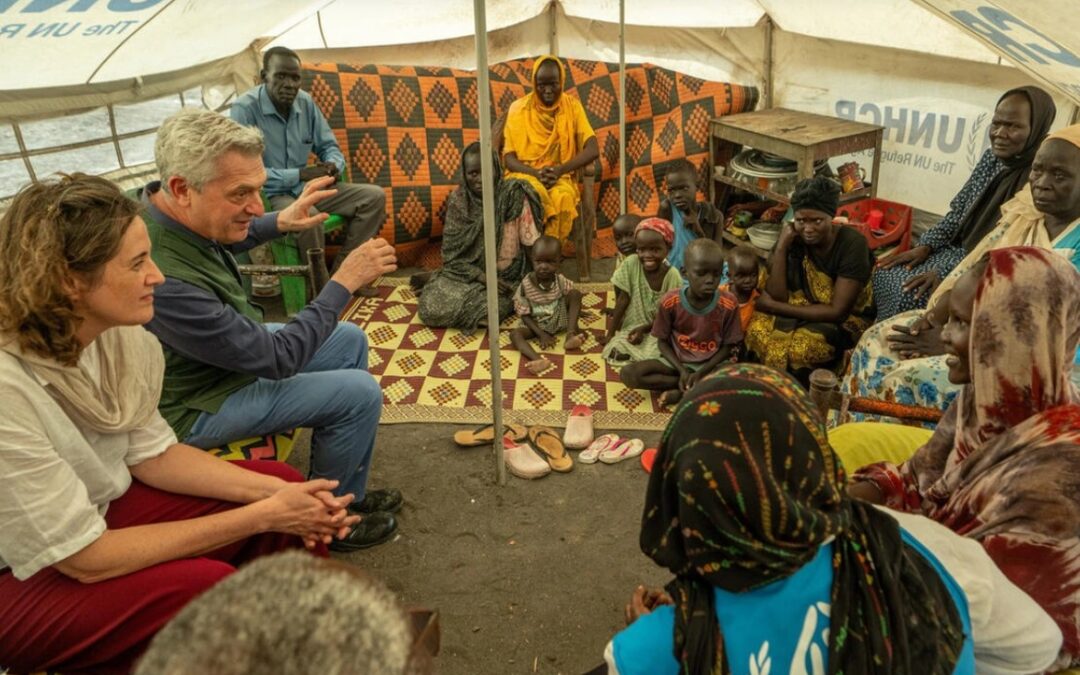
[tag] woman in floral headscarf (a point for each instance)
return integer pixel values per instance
(1003, 466)
(776, 569)
(546, 139)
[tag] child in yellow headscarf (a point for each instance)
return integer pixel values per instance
(547, 137)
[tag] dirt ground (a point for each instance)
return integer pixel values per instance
(530, 577)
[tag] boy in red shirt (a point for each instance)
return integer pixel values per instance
(697, 328)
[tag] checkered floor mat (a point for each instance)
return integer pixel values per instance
(443, 375)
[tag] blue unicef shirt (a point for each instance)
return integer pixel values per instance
(1069, 245)
(779, 628)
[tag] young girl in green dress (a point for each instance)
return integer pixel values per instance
(640, 281)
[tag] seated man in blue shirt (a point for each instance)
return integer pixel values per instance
(228, 376)
(293, 128)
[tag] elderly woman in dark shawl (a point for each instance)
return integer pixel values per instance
(778, 570)
(455, 296)
(1021, 121)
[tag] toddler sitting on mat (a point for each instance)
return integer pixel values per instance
(548, 304)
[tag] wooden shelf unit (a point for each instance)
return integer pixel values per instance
(799, 136)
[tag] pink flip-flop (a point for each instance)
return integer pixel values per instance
(626, 449)
(591, 453)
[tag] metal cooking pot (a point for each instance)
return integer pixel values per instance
(749, 167)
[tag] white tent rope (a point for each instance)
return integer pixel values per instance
(490, 270)
(123, 42)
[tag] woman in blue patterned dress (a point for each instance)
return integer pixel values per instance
(903, 359)
(904, 281)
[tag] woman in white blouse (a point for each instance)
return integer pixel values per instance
(109, 525)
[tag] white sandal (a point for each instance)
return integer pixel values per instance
(606, 442)
(627, 449)
(522, 462)
(579, 428)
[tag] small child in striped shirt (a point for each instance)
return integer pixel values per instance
(548, 304)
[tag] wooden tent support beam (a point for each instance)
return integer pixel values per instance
(488, 178)
(768, 93)
(622, 106)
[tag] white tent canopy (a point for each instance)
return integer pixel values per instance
(928, 70)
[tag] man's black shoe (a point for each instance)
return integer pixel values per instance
(372, 530)
(387, 501)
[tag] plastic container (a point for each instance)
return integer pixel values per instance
(894, 228)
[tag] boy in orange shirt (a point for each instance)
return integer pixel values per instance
(744, 270)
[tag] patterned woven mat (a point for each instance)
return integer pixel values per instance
(443, 375)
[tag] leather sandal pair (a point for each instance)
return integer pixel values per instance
(540, 455)
(549, 446)
(486, 434)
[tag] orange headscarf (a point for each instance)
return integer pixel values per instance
(1070, 134)
(534, 130)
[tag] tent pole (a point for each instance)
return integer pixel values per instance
(768, 62)
(483, 100)
(553, 28)
(622, 106)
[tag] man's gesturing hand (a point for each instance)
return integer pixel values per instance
(365, 264)
(295, 218)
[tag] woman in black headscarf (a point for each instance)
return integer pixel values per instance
(776, 568)
(454, 296)
(817, 299)
(1022, 118)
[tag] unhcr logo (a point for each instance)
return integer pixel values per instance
(963, 138)
(54, 9)
(40, 6)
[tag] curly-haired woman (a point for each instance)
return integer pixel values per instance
(109, 525)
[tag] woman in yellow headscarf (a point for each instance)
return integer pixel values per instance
(546, 139)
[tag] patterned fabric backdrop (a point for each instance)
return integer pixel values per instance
(403, 128)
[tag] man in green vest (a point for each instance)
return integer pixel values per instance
(229, 376)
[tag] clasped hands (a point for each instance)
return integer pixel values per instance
(920, 339)
(549, 175)
(319, 170)
(310, 511)
(643, 601)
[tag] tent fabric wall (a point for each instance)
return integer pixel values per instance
(59, 56)
(1042, 38)
(945, 60)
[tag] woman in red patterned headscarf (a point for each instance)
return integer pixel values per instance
(1003, 466)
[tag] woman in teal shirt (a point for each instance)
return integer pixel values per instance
(777, 570)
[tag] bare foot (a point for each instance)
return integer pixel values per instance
(671, 397)
(539, 366)
(575, 341)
